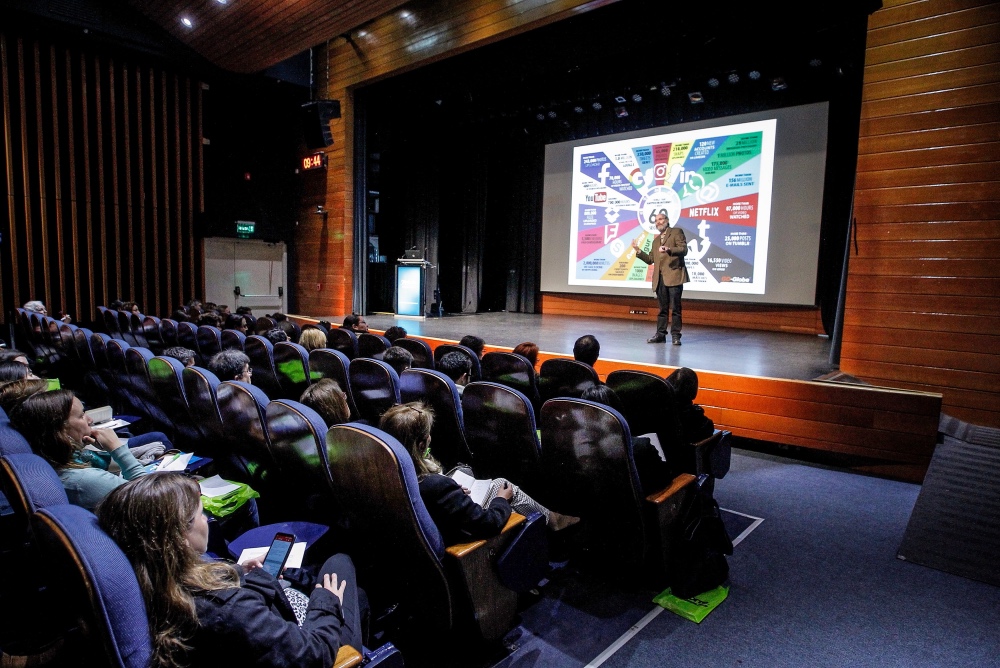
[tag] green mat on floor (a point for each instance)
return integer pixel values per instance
(695, 608)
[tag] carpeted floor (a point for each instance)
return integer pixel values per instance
(817, 583)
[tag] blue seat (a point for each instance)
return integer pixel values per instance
(120, 385)
(343, 340)
(475, 374)
(187, 336)
(514, 371)
(200, 390)
(439, 392)
(110, 322)
(423, 357)
(500, 429)
(12, 442)
(135, 322)
(372, 345)
(298, 444)
(375, 386)
(565, 378)
(125, 328)
(30, 484)
(333, 364)
(233, 339)
(151, 332)
(168, 332)
(639, 390)
(291, 366)
(209, 342)
(167, 385)
(261, 354)
(137, 364)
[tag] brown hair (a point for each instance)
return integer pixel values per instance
(14, 392)
(410, 424)
(149, 518)
(326, 398)
(529, 351)
(41, 418)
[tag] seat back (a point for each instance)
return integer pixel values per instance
(372, 345)
(328, 363)
(135, 323)
(151, 331)
(264, 324)
(261, 354)
(648, 405)
(233, 339)
(291, 366)
(343, 340)
(125, 327)
(96, 582)
(137, 362)
(589, 467)
(445, 348)
(298, 444)
(165, 375)
(391, 530)
(423, 357)
(200, 390)
(30, 484)
(120, 385)
(514, 371)
(438, 391)
(111, 323)
(12, 442)
(187, 336)
(500, 429)
(375, 386)
(168, 332)
(209, 342)
(242, 407)
(565, 378)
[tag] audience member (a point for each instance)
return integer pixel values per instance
(57, 428)
(237, 322)
(12, 355)
(210, 319)
(185, 356)
(223, 311)
(130, 308)
(231, 365)
(355, 323)
(290, 329)
(457, 366)
(394, 333)
(312, 338)
(529, 351)
(276, 335)
(180, 315)
(14, 392)
(455, 514)
(398, 358)
(695, 425)
(211, 613)
(586, 349)
(36, 306)
(14, 371)
(326, 398)
(654, 472)
(473, 343)
(244, 310)
(116, 305)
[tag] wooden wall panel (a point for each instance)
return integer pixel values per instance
(93, 146)
(924, 284)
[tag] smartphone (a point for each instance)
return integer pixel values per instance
(278, 553)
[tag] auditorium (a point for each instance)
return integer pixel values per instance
(350, 333)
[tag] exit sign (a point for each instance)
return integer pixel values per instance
(245, 228)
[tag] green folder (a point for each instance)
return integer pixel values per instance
(695, 608)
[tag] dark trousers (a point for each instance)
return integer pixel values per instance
(342, 565)
(670, 309)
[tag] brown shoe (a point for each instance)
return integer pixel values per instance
(558, 521)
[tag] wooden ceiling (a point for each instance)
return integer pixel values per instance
(251, 35)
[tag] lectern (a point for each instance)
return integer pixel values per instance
(411, 271)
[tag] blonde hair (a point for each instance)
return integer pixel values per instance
(410, 424)
(310, 339)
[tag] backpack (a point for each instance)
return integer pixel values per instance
(698, 558)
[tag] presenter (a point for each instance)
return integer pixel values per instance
(669, 276)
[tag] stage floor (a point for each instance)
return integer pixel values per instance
(738, 351)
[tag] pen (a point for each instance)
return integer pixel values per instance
(173, 459)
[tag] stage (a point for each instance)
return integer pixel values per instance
(757, 384)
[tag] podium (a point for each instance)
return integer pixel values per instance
(410, 280)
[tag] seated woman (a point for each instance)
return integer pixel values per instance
(209, 613)
(326, 398)
(12, 370)
(312, 338)
(456, 515)
(529, 351)
(57, 429)
(695, 425)
(14, 392)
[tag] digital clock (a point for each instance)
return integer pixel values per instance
(314, 161)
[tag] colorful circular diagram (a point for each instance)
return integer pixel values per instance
(658, 199)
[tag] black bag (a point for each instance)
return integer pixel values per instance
(698, 559)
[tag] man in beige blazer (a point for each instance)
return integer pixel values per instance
(669, 276)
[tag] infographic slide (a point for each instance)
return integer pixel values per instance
(713, 183)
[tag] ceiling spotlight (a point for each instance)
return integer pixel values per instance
(540, 116)
(621, 112)
(187, 22)
(636, 97)
(713, 82)
(619, 99)
(696, 98)
(552, 114)
(815, 62)
(665, 90)
(754, 74)
(596, 106)
(733, 77)
(578, 109)
(778, 83)
(222, 2)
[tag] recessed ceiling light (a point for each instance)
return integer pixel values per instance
(187, 22)
(222, 2)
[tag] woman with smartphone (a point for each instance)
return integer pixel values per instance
(210, 613)
(455, 514)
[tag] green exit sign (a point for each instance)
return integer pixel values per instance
(245, 228)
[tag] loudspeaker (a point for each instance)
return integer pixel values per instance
(316, 117)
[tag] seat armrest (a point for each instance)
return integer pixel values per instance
(470, 569)
(662, 512)
(347, 657)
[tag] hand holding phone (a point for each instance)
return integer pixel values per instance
(278, 553)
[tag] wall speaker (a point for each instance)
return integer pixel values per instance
(316, 117)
